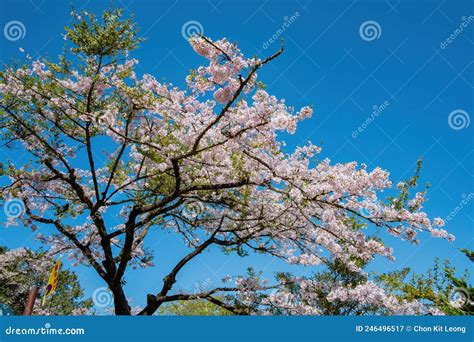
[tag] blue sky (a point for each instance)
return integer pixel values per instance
(409, 68)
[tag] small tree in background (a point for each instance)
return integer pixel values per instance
(115, 156)
(438, 287)
(20, 269)
(198, 307)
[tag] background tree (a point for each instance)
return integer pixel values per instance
(197, 307)
(20, 269)
(204, 162)
(439, 287)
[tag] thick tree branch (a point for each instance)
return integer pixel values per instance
(170, 279)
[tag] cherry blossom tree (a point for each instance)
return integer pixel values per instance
(205, 162)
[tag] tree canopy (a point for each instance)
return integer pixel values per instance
(206, 163)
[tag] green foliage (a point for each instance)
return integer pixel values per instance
(469, 254)
(109, 38)
(27, 272)
(438, 287)
(335, 274)
(338, 273)
(197, 307)
(401, 201)
(68, 295)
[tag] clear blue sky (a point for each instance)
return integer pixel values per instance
(326, 64)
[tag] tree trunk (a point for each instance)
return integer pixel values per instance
(120, 302)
